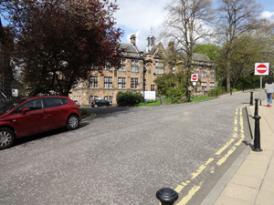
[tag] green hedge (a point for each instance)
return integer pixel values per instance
(129, 98)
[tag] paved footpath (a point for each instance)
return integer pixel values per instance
(253, 183)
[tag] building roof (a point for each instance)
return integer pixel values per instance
(129, 50)
(201, 57)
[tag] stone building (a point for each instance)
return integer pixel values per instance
(206, 71)
(138, 72)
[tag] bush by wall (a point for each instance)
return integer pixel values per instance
(215, 92)
(129, 98)
(175, 95)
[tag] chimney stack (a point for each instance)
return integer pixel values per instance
(148, 41)
(133, 39)
(152, 40)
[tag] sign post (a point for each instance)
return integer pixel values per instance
(261, 69)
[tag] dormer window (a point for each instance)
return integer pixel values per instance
(107, 66)
(134, 66)
(122, 67)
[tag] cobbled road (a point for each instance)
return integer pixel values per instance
(117, 159)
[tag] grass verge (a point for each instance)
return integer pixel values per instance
(150, 103)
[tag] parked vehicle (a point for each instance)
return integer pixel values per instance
(100, 102)
(34, 115)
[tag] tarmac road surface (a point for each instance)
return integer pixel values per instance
(123, 158)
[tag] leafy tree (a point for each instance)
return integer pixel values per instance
(59, 42)
(235, 19)
(186, 25)
(246, 51)
(6, 50)
(171, 86)
(210, 50)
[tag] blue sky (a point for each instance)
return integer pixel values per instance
(267, 4)
(146, 17)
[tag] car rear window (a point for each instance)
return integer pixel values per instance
(32, 105)
(54, 102)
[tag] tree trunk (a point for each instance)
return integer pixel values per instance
(228, 72)
(228, 86)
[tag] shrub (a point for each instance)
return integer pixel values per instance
(129, 98)
(175, 95)
(215, 92)
(171, 86)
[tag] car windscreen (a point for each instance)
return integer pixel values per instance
(8, 105)
(5, 107)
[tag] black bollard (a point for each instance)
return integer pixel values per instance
(251, 98)
(257, 135)
(256, 107)
(167, 196)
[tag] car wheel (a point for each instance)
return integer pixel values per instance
(73, 122)
(6, 138)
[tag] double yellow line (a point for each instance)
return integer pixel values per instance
(238, 133)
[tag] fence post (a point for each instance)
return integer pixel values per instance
(251, 98)
(166, 196)
(257, 135)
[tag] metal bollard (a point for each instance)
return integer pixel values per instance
(256, 112)
(167, 196)
(257, 135)
(251, 98)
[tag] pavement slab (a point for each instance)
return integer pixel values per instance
(253, 182)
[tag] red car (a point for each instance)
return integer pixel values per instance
(35, 115)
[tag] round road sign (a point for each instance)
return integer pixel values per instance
(261, 68)
(194, 77)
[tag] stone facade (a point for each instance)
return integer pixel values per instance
(107, 83)
(207, 74)
(137, 73)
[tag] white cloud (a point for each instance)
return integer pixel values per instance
(141, 17)
(267, 15)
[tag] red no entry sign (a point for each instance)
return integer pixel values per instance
(261, 68)
(194, 77)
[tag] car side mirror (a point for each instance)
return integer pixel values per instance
(25, 110)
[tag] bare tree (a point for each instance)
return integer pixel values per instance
(236, 17)
(187, 23)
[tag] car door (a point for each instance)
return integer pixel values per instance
(31, 121)
(55, 112)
